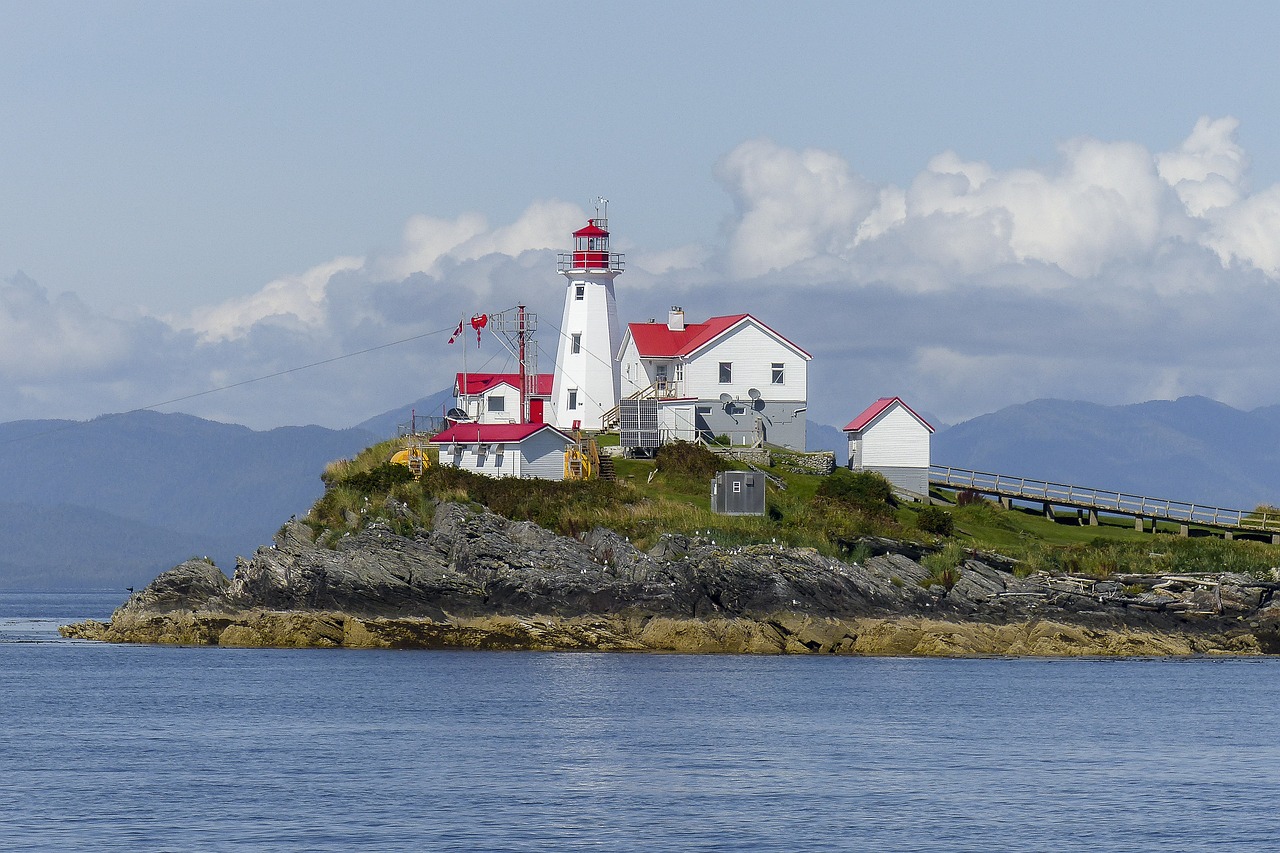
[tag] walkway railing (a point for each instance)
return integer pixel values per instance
(1103, 500)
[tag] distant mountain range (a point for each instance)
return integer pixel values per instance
(111, 502)
(1190, 449)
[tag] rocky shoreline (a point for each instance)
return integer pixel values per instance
(476, 580)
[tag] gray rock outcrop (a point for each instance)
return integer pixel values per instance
(476, 579)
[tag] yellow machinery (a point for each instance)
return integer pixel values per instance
(414, 457)
(582, 461)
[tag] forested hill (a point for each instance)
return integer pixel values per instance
(109, 502)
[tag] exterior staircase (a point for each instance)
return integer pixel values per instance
(607, 471)
(661, 390)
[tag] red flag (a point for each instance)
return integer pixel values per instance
(457, 331)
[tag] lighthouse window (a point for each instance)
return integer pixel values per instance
(573, 398)
(579, 291)
(778, 374)
(575, 346)
(726, 372)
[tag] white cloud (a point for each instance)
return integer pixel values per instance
(1248, 232)
(42, 339)
(792, 205)
(1115, 274)
(1208, 169)
(428, 241)
(428, 246)
(1103, 204)
(290, 300)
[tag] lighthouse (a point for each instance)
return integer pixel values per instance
(586, 382)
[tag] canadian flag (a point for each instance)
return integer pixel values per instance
(457, 331)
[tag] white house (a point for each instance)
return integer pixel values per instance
(730, 375)
(494, 398)
(505, 450)
(892, 439)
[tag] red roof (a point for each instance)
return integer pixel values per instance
(657, 340)
(876, 409)
(492, 433)
(479, 383)
(592, 230)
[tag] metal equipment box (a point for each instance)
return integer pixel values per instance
(738, 493)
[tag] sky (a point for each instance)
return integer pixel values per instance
(970, 205)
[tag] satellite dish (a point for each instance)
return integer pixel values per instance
(753, 393)
(457, 415)
(726, 398)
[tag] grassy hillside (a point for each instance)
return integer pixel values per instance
(835, 514)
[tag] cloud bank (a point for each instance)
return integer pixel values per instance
(1115, 274)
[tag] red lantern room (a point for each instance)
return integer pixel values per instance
(591, 250)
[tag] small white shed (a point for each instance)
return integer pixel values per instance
(505, 450)
(890, 438)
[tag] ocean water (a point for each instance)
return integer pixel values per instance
(172, 749)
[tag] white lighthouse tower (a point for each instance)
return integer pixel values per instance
(586, 378)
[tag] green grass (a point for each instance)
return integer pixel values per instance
(832, 514)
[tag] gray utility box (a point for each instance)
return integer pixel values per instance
(738, 493)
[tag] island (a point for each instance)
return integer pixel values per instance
(451, 560)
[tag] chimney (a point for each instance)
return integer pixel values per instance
(675, 320)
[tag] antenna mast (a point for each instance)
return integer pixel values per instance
(515, 328)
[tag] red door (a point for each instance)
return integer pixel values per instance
(535, 411)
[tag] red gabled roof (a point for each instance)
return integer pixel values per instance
(479, 383)
(876, 409)
(592, 230)
(657, 340)
(492, 433)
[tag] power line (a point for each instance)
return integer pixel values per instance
(240, 384)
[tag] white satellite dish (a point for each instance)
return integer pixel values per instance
(753, 393)
(726, 398)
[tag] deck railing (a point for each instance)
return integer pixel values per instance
(1123, 503)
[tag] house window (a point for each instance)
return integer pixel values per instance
(679, 371)
(575, 343)
(497, 403)
(660, 373)
(779, 375)
(579, 291)
(737, 486)
(573, 399)
(726, 372)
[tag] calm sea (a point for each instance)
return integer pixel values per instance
(133, 748)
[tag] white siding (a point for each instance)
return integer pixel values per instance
(676, 422)
(543, 455)
(752, 351)
(491, 464)
(895, 440)
(634, 375)
(593, 371)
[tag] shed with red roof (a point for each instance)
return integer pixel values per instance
(505, 450)
(890, 438)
